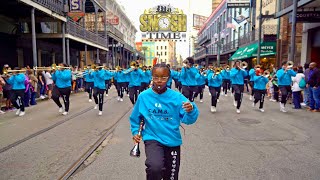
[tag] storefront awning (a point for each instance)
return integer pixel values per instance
(267, 49)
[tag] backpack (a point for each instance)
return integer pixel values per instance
(302, 83)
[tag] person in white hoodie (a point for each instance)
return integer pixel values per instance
(296, 90)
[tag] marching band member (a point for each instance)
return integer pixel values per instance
(108, 78)
(201, 84)
(135, 76)
(237, 76)
(145, 81)
(89, 81)
(252, 74)
(189, 76)
(226, 83)
(214, 84)
(260, 82)
(62, 78)
(284, 82)
(179, 80)
(17, 80)
(99, 87)
(163, 110)
(172, 75)
(121, 83)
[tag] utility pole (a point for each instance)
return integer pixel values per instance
(219, 44)
(260, 32)
(293, 32)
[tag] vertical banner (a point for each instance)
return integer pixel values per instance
(75, 12)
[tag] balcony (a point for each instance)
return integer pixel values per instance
(286, 6)
(77, 30)
(204, 40)
(54, 5)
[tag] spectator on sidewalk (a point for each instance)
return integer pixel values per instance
(42, 85)
(33, 87)
(314, 87)
(296, 90)
(49, 82)
(2, 83)
(306, 89)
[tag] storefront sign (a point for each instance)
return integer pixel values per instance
(238, 3)
(308, 16)
(76, 12)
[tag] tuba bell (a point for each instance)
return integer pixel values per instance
(266, 73)
(290, 64)
(243, 65)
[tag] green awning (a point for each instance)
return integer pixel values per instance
(267, 49)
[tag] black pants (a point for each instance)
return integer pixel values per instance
(64, 93)
(276, 92)
(144, 86)
(98, 97)
(251, 86)
(18, 95)
(89, 88)
(133, 93)
(127, 87)
(226, 84)
(120, 88)
(179, 86)
(107, 86)
(162, 162)
(215, 93)
(285, 91)
(199, 91)
(238, 94)
(189, 91)
(259, 96)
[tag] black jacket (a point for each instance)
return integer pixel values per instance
(314, 80)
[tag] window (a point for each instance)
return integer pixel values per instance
(161, 52)
(165, 47)
(161, 47)
(165, 53)
(157, 47)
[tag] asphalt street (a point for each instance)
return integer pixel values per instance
(223, 145)
(227, 145)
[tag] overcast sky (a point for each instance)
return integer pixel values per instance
(134, 8)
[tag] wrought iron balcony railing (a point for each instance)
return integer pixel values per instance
(203, 40)
(77, 30)
(53, 5)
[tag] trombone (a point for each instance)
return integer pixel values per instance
(7, 71)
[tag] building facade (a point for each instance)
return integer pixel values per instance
(164, 51)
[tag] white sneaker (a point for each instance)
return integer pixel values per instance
(65, 113)
(100, 113)
(90, 100)
(218, 100)
(261, 110)
(60, 110)
(95, 107)
(2, 112)
(303, 104)
(272, 100)
(213, 109)
(235, 103)
(225, 95)
(121, 99)
(107, 95)
(209, 94)
(250, 98)
(118, 98)
(18, 112)
(201, 100)
(41, 97)
(128, 95)
(253, 105)
(22, 113)
(238, 111)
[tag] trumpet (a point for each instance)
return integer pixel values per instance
(135, 151)
(185, 63)
(217, 71)
(42, 68)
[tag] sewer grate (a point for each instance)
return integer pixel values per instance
(249, 121)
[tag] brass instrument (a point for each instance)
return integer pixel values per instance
(290, 64)
(266, 73)
(185, 63)
(7, 71)
(196, 65)
(55, 67)
(36, 68)
(243, 65)
(135, 151)
(217, 71)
